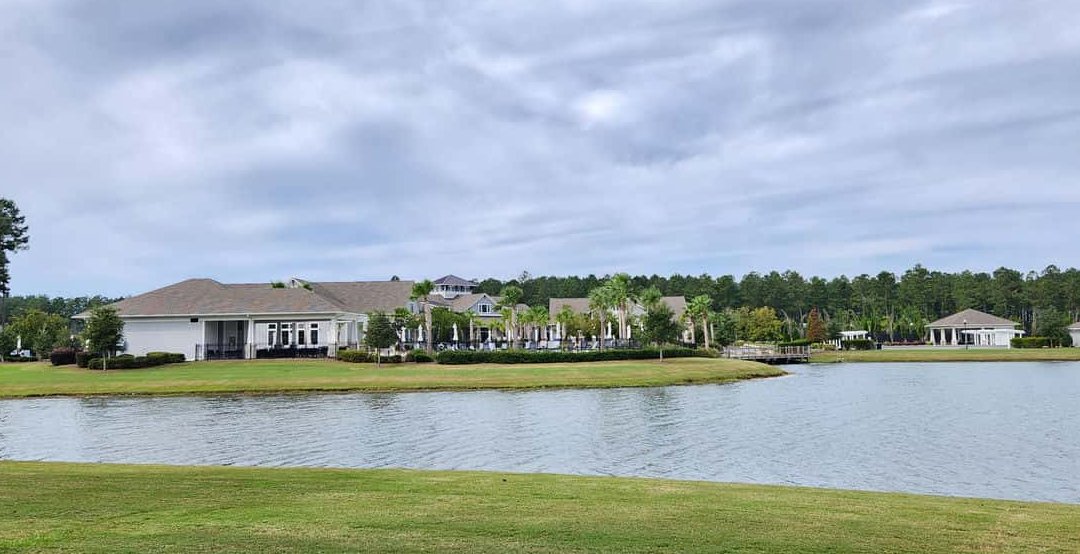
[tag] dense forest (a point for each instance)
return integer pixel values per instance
(891, 307)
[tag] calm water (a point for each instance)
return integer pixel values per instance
(992, 430)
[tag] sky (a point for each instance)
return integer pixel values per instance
(250, 141)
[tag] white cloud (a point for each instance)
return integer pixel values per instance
(250, 141)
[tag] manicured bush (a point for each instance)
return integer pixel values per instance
(354, 356)
(82, 359)
(419, 356)
(18, 359)
(800, 342)
(62, 356)
(858, 344)
(1030, 342)
(459, 357)
(127, 361)
(162, 358)
(395, 359)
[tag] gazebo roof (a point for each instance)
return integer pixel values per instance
(973, 318)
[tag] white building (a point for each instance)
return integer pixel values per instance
(205, 319)
(973, 328)
(1074, 332)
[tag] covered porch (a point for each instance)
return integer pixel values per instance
(277, 337)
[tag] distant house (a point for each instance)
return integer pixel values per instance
(459, 295)
(973, 328)
(205, 319)
(1074, 332)
(581, 306)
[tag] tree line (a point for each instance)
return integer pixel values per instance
(890, 306)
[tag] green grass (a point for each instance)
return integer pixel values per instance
(112, 508)
(272, 376)
(951, 355)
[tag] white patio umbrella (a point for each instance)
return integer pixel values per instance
(609, 335)
(419, 334)
(629, 332)
(455, 333)
(18, 343)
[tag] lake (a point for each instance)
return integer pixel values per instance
(999, 430)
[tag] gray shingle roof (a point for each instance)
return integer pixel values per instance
(974, 318)
(208, 297)
(455, 281)
(364, 297)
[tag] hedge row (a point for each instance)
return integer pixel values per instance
(1030, 342)
(858, 344)
(800, 342)
(17, 359)
(460, 357)
(419, 356)
(361, 357)
(62, 356)
(127, 361)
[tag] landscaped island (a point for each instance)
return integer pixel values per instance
(88, 507)
(950, 355)
(286, 376)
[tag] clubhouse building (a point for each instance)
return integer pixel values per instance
(973, 328)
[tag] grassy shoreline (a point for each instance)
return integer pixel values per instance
(304, 376)
(951, 355)
(95, 507)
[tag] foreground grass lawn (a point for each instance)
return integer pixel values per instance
(259, 376)
(105, 508)
(972, 355)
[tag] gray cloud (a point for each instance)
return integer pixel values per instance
(251, 141)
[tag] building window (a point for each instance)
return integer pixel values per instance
(286, 334)
(271, 334)
(314, 336)
(484, 308)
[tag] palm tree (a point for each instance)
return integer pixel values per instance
(538, 318)
(420, 292)
(698, 308)
(621, 295)
(511, 296)
(565, 318)
(471, 317)
(601, 301)
(506, 316)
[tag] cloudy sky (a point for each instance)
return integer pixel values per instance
(148, 142)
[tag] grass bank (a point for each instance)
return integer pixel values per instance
(99, 508)
(284, 376)
(951, 355)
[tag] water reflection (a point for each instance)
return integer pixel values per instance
(996, 430)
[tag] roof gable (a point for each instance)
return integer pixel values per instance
(973, 318)
(206, 297)
(455, 281)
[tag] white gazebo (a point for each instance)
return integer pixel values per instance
(973, 328)
(854, 335)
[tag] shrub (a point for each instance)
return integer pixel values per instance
(1030, 342)
(800, 342)
(395, 359)
(419, 356)
(127, 361)
(354, 356)
(82, 359)
(162, 358)
(18, 359)
(858, 344)
(459, 357)
(62, 356)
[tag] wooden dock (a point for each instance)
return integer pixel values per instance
(773, 355)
